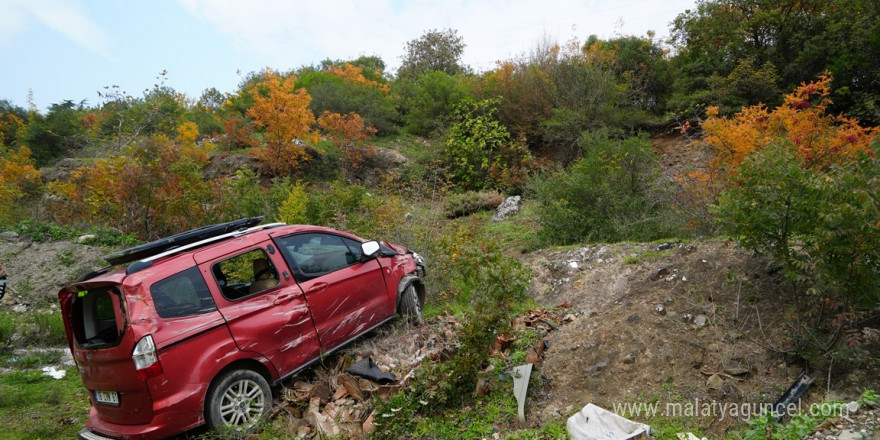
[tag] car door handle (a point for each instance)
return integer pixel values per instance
(318, 288)
(281, 299)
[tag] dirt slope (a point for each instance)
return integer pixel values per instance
(697, 322)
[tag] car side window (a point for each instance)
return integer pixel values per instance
(182, 294)
(245, 274)
(317, 254)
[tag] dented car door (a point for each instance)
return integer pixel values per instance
(346, 293)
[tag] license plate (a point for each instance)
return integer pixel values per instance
(107, 397)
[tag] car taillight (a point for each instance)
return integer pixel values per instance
(146, 360)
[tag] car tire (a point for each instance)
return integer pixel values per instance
(237, 401)
(411, 305)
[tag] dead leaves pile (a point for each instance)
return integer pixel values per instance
(333, 403)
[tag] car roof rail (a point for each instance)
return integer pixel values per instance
(148, 261)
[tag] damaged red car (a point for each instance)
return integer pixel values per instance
(197, 328)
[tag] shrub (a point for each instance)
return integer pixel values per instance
(821, 225)
(462, 204)
(480, 152)
(611, 194)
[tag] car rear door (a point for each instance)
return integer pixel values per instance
(264, 308)
(346, 295)
(102, 343)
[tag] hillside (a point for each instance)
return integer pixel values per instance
(629, 323)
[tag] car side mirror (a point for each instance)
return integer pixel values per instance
(370, 248)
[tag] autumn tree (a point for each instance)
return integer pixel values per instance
(282, 113)
(801, 185)
(19, 180)
(802, 121)
(154, 188)
(348, 132)
(357, 86)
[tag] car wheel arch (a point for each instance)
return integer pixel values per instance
(405, 282)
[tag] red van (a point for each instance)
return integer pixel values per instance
(196, 328)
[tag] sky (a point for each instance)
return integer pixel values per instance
(57, 50)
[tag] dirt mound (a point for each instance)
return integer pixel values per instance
(37, 271)
(672, 323)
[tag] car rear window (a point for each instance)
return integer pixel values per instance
(182, 294)
(98, 319)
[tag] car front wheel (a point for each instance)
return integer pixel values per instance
(411, 306)
(237, 401)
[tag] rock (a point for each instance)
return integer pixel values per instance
(852, 408)
(700, 320)
(19, 308)
(549, 414)
(596, 368)
(659, 273)
(737, 371)
(847, 434)
(629, 359)
(509, 207)
(9, 236)
(660, 310)
(664, 246)
(82, 239)
(715, 382)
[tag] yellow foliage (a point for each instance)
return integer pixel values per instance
(293, 209)
(18, 179)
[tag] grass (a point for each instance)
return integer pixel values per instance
(36, 406)
(41, 328)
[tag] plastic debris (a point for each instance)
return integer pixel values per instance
(521, 375)
(791, 395)
(595, 423)
(368, 369)
(54, 373)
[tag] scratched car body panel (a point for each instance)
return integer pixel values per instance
(156, 340)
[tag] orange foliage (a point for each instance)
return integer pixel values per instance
(156, 188)
(282, 111)
(18, 178)
(351, 73)
(819, 139)
(348, 132)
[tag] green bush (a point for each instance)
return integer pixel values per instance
(462, 204)
(609, 195)
(493, 287)
(480, 152)
(820, 225)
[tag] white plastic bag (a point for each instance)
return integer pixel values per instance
(595, 423)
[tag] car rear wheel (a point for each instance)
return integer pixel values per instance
(237, 401)
(411, 306)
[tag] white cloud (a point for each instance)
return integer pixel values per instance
(12, 21)
(66, 17)
(287, 34)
